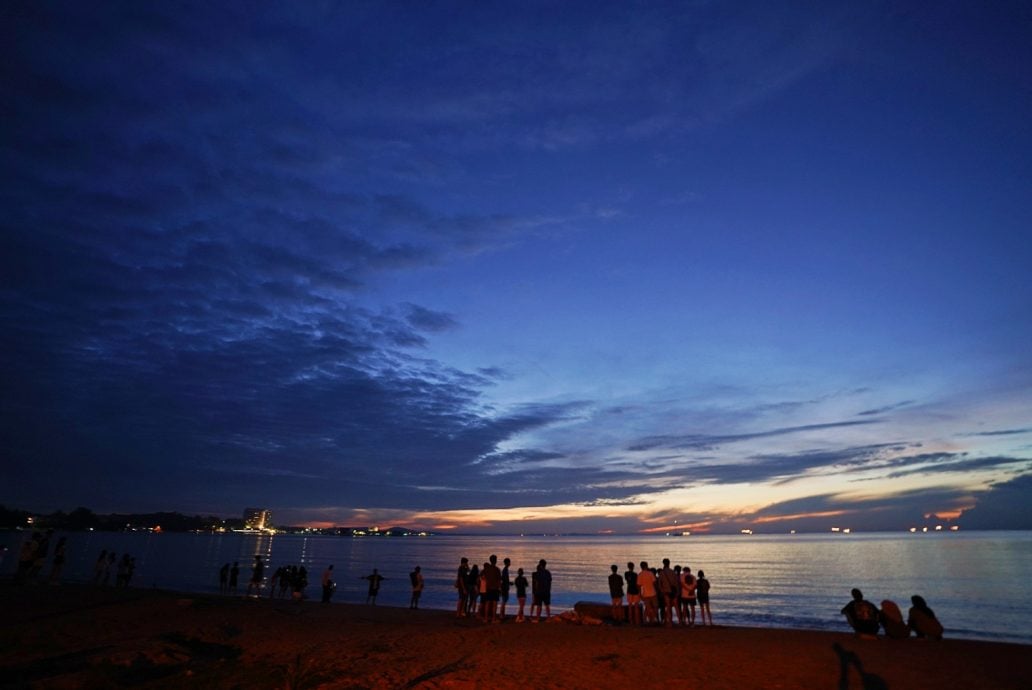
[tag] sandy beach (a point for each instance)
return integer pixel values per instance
(82, 637)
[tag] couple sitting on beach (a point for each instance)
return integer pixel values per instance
(866, 619)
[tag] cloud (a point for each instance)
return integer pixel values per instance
(1004, 506)
(710, 441)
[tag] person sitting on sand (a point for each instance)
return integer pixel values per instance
(520, 583)
(922, 620)
(861, 614)
(616, 582)
(891, 620)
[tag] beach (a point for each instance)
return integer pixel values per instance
(75, 636)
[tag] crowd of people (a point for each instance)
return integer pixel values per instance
(866, 619)
(656, 596)
(484, 592)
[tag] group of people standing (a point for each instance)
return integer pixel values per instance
(286, 580)
(484, 592)
(106, 564)
(33, 558)
(656, 596)
(866, 619)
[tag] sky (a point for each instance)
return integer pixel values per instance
(519, 267)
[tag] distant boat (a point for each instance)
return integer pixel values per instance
(746, 531)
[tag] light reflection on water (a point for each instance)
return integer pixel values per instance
(977, 582)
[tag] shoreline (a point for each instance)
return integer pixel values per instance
(78, 635)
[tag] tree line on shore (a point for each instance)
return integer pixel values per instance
(83, 519)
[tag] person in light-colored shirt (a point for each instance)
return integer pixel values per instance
(647, 588)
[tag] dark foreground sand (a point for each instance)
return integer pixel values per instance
(81, 637)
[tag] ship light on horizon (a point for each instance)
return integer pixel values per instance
(835, 529)
(954, 528)
(746, 531)
(913, 529)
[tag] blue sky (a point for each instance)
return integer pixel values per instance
(520, 267)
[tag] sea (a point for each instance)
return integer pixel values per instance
(978, 583)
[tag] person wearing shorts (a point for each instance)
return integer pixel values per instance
(688, 595)
(649, 593)
(616, 592)
(633, 596)
(520, 583)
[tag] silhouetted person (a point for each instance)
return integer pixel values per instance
(224, 579)
(647, 587)
(506, 585)
(472, 589)
(257, 576)
(861, 614)
(702, 590)
(328, 585)
(416, 578)
(59, 561)
(616, 583)
(461, 578)
(688, 595)
(122, 577)
(40, 555)
(299, 580)
(669, 587)
(633, 596)
(492, 588)
(234, 575)
(99, 566)
(374, 586)
(891, 620)
(541, 588)
(107, 568)
(922, 620)
(520, 583)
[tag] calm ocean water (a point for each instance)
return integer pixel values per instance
(978, 582)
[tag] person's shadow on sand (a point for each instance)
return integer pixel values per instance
(868, 681)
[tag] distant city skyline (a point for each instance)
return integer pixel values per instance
(542, 268)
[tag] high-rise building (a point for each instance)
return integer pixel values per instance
(257, 518)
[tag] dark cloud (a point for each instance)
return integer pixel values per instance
(425, 319)
(937, 463)
(1002, 432)
(1004, 506)
(710, 441)
(886, 408)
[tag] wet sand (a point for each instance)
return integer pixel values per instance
(82, 637)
